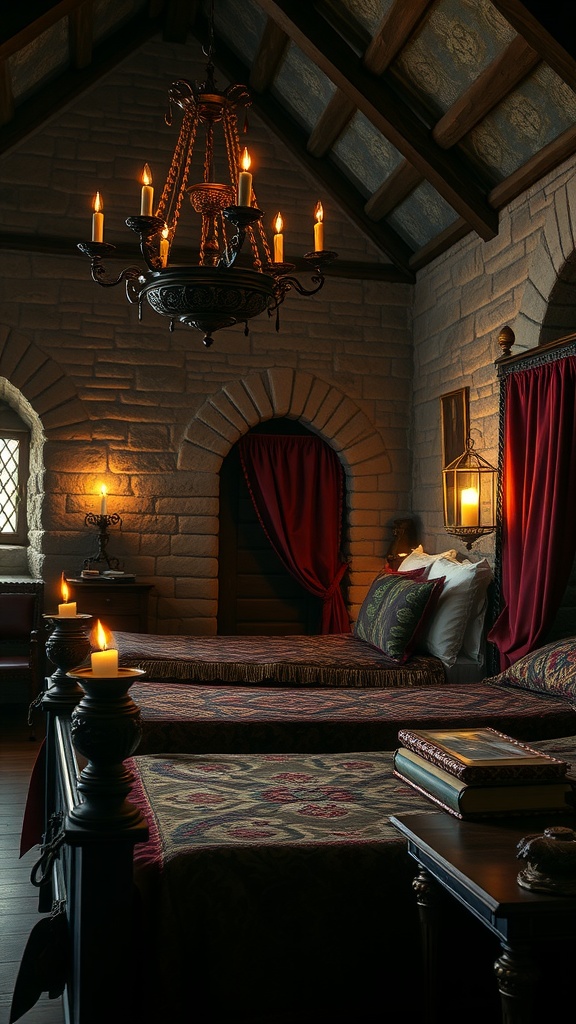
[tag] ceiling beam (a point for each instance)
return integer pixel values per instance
(448, 174)
(335, 118)
(81, 21)
(396, 27)
(549, 28)
(273, 46)
(489, 89)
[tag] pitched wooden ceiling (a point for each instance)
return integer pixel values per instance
(421, 118)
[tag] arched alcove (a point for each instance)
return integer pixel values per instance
(325, 410)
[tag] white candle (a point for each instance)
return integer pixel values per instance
(147, 198)
(245, 182)
(98, 219)
(279, 240)
(164, 246)
(105, 661)
(67, 609)
(319, 228)
(103, 500)
(469, 506)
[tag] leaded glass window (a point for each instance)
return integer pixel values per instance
(13, 476)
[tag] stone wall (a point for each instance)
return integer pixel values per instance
(150, 413)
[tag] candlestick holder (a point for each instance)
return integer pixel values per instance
(67, 645)
(106, 728)
(102, 522)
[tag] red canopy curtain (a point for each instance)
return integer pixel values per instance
(296, 484)
(539, 504)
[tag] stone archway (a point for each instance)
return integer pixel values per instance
(324, 409)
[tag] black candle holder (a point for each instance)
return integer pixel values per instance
(102, 522)
(67, 646)
(106, 728)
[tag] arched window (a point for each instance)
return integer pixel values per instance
(14, 470)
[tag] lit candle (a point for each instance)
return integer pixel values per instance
(103, 493)
(68, 608)
(279, 240)
(147, 200)
(98, 219)
(105, 661)
(469, 506)
(164, 246)
(319, 228)
(245, 181)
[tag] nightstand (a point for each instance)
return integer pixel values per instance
(122, 606)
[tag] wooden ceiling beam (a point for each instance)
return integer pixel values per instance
(334, 120)
(396, 27)
(548, 28)
(29, 32)
(489, 89)
(273, 46)
(449, 175)
(80, 36)
(533, 170)
(397, 187)
(179, 16)
(6, 94)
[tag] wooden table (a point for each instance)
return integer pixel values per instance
(476, 863)
(122, 606)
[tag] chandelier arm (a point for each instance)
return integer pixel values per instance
(98, 271)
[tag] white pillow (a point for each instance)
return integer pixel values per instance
(418, 558)
(461, 602)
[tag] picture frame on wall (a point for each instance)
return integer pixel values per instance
(455, 420)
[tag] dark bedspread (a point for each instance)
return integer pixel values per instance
(244, 719)
(276, 892)
(332, 660)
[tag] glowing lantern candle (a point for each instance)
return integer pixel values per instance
(147, 198)
(279, 240)
(469, 507)
(105, 661)
(319, 228)
(164, 246)
(68, 608)
(103, 505)
(245, 181)
(98, 219)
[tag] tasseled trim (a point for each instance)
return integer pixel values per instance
(282, 674)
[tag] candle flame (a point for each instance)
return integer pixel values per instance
(146, 175)
(319, 212)
(165, 232)
(98, 205)
(64, 590)
(101, 636)
(246, 161)
(278, 223)
(103, 490)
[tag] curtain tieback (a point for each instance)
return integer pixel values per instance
(335, 582)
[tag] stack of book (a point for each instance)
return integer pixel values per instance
(477, 773)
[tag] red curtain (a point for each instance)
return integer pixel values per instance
(296, 484)
(539, 504)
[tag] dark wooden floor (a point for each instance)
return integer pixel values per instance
(18, 899)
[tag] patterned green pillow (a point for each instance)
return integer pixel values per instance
(395, 611)
(550, 669)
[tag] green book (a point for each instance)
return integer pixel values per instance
(465, 800)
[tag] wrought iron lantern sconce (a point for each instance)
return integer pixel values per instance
(226, 287)
(469, 487)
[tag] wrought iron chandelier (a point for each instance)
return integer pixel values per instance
(226, 286)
